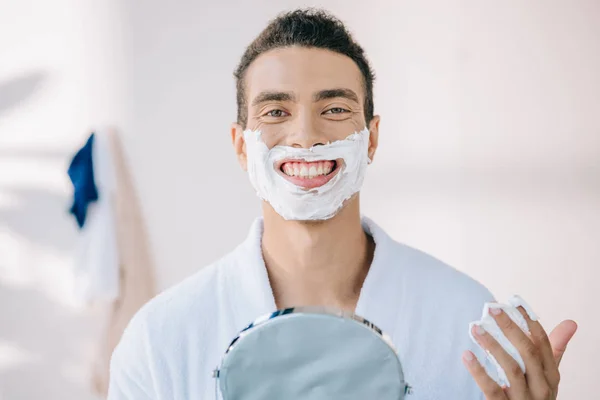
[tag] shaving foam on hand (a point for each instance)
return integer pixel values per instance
(488, 323)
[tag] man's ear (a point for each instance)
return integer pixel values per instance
(374, 136)
(239, 144)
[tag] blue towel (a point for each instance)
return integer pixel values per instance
(81, 172)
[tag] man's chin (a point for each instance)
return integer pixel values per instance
(269, 209)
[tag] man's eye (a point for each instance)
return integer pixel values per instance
(336, 110)
(276, 113)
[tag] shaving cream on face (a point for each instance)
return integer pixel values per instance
(293, 202)
(488, 323)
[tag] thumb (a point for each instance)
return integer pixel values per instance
(560, 337)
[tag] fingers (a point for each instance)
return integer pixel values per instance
(541, 341)
(490, 389)
(539, 337)
(536, 378)
(551, 348)
(511, 368)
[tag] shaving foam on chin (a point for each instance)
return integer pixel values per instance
(296, 203)
(488, 323)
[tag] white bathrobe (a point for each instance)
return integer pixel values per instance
(174, 343)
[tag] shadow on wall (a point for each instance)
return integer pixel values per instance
(39, 216)
(16, 90)
(45, 347)
(33, 213)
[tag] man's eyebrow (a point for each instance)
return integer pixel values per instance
(272, 96)
(333, 93)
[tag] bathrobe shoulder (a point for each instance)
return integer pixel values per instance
(172, 345)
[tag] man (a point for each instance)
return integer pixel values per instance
(306, 133)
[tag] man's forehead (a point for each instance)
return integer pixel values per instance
(302, 72)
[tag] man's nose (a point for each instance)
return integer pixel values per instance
(306, 134)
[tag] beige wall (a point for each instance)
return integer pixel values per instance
(489, 157)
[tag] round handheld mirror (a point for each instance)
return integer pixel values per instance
(311, 353)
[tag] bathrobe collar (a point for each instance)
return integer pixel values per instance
(252, 295)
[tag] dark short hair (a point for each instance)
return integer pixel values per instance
(311, 28)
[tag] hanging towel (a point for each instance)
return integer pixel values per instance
(96, 273)
(137, 283)
(81, 173)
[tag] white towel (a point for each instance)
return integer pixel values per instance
(488, 323)
(136, 270)
(173, 344)
(97, 257)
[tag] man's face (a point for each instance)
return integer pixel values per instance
(302, 97)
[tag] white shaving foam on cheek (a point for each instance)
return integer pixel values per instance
(296, 203)
(488, 323)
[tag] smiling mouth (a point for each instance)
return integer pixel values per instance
(309, 174)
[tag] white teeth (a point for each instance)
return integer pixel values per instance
(309, 171)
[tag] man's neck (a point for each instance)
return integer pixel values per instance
(317, 263)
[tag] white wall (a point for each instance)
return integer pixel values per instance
(489, 157)
(59, 77)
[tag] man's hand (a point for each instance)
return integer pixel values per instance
(541, 354)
